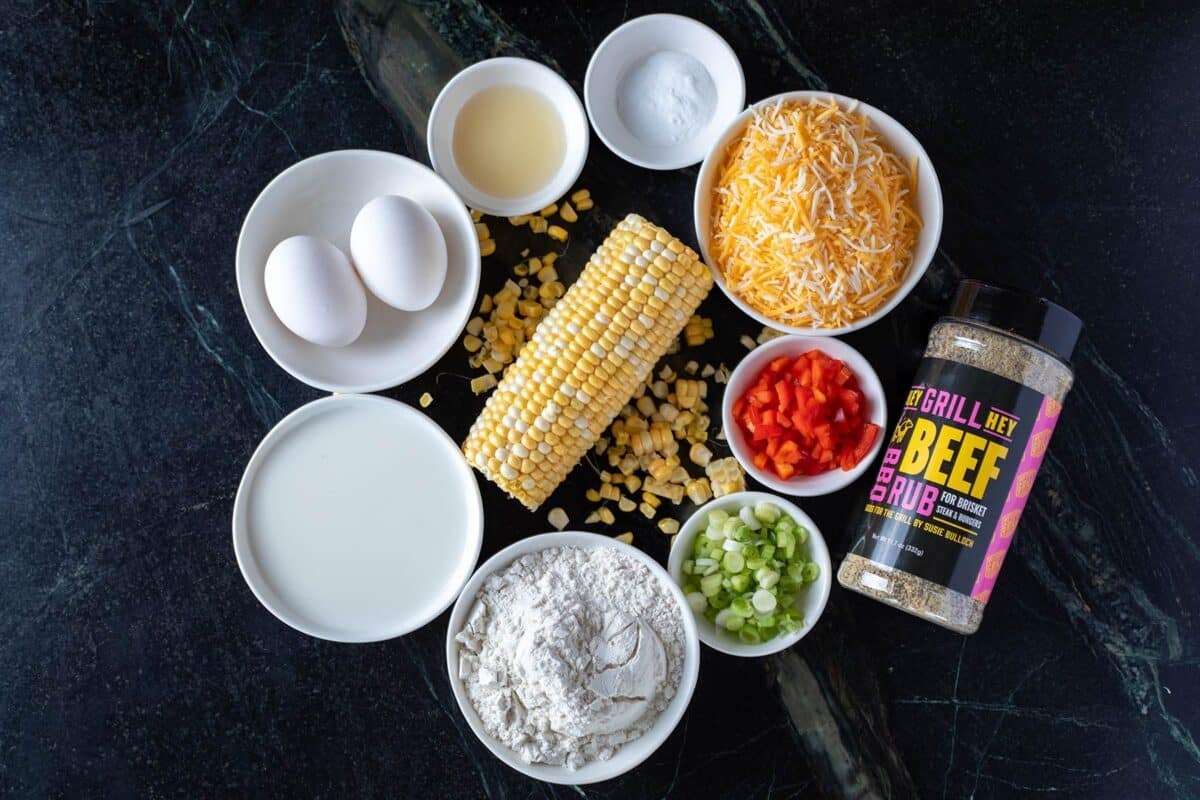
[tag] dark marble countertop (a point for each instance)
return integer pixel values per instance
(134, 662)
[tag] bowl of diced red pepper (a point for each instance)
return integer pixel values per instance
(804, 415)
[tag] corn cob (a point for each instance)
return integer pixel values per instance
(585, 359)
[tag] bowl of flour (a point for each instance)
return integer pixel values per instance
(572, 656)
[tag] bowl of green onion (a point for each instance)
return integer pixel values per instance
(755, 571)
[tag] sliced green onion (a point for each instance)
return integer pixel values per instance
(810, 571)
(747, 516)
(711, 584)
(763, 600)
(697, 601)
(733, 562)
(767, 512)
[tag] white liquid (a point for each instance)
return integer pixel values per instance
(362, 520)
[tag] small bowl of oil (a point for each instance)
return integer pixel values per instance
(509, 135)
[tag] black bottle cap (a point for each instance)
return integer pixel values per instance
(1047, 324)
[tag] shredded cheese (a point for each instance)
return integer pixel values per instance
(814, 223)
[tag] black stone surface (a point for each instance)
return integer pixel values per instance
(134, 662)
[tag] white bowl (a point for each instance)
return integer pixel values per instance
(331, 519)
(320, 196)
(507, 72)
(903, 143)
(746, 373)
(633, 41)
(814, 598)
(628, 755)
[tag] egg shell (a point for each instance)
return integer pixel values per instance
(315, 292)
(399, 251)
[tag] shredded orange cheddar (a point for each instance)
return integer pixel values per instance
(814, 222)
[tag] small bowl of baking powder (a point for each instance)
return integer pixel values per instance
(572, 656)
(661, 88)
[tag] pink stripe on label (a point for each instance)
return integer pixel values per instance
(1014, 504)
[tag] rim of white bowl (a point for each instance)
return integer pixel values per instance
(563, 180)
(748, 368)
(927, 240)
(624, 29)
(630, 754)
(722, 641)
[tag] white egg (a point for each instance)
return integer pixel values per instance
(399, 252)
(315, 292)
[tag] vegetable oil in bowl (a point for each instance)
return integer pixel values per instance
(509, 141)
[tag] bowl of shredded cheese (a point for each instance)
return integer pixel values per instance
(817, 213)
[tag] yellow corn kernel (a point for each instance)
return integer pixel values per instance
(626, 537)
(426, 400)
(481, 230)
(492, 365)
(592, 517)
(475, 325)
(549, 258)
(593, 496)
(547, 274)
(538, 224)
(557, 232)
(626, 505)
(747, 342)
(520, 220)
(582, 194)
(699, 454)
(610, 492)
(645, 406)
(472, 343)
(648, 511)
(476, 215)
(659, 469)
(567, 213)
(606, 515)
(649, 497)
(548, 210)
(483, 383)
(557, 518)
(699, 491)
(584, 204)
(632, 483)
(487, 247)
(486, 304)
(669, 526)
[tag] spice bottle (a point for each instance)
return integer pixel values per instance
(961, 461)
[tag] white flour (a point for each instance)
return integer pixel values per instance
(666, 98)
(570, 652)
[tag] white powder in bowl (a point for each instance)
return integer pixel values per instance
(570, 652)
(666, 98)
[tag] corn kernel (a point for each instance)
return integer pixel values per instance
(582, 194)
(520, 220)
(472, 343)
(633, 483)
(487, 247)
(476, 215)
(567, 213)
(626, 537)
(481, 230)
(626, 505)
(475, 325)
(584, 204)
(648, 511)
(426, 400)
(547, 274)
(557, 232)
(538, 224)
(593, 496)
(648, 497)
(558, 518)
(699, 491)
(747, 342)
(548, 210)
(483, 383)
(606, 515)
(700, 455)
(669, 526)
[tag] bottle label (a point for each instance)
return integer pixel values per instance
(956, 475)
